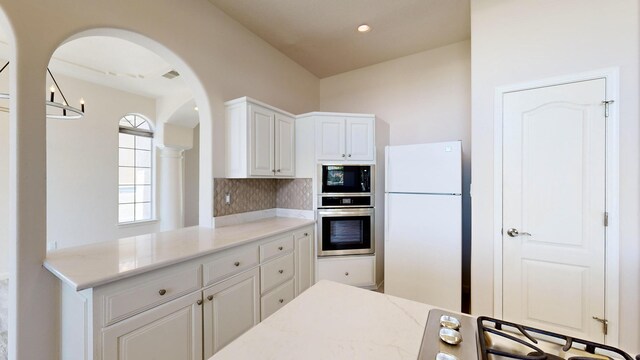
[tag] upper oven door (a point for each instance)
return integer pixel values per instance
(346, 179)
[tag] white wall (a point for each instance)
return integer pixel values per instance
(525, 40)
(82, 166)
(425, 97)
(219, 58)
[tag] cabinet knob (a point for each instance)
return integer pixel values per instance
(349, 155)
(162, 292)
(343, 155)
(210, 297)
(278, 170)
(199, 302)
(280, 271)
(346, 274)
(237, 263)
(280, 248)
(306, 234)
(281, 301)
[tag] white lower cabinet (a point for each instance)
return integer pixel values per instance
(350, 270)
(304, 259)
(190, 310)
(277, 298)
(167, 332)
(230, 308)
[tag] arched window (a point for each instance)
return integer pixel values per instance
(135, 162)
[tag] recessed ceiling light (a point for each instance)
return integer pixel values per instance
(364, 28)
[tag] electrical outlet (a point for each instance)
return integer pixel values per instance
(227, 198)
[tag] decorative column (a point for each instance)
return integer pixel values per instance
(169, 192)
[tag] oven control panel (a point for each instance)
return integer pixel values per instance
(449, 336)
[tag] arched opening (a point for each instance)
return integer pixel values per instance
(105, 183)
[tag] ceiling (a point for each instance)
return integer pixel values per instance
(321, 35)
(118, 64)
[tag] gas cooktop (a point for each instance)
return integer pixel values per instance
(453, 336)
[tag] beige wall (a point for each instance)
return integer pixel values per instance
(526, 40)
(425, 97)
(219, 60)
(4, 193)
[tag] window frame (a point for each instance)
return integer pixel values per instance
(136, 132)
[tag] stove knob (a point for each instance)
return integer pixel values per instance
(445, 356)
(450, 322)
(450, 336)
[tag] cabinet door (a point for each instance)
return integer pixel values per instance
(230, 308)
(360, 139)
(304, 260)
(330, 138)
(167, 332)
(262, 141)
(285, 145)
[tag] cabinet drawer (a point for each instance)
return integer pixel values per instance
(276, 299)
(357, 271)
(131, 297)
(276, 248)
(230, 264)
(276, 272)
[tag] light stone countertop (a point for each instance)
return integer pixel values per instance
(335, 321)
(98, 264)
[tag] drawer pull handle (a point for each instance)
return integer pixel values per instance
(162, 292)
(281, 301)
(346, 274)
(210, 297)
(280, 271)
(199, 302)
(237, 263)
(280, 248)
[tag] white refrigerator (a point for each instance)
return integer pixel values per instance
(423, 223)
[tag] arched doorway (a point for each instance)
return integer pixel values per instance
(86, 189)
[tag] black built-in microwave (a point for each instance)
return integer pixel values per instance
(345, 179)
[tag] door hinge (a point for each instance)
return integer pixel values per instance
(606, 218)
(605, 324)
(606, 104)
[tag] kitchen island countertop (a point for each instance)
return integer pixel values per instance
(335, 321)
(98, 264)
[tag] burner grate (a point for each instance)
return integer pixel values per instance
(495, 327)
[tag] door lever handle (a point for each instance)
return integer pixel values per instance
(514, 232)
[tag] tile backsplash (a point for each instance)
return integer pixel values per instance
(294, 194)
(261, 194)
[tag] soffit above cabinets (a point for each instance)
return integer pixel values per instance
(321, 35)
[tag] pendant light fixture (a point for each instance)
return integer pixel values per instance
(59, 111)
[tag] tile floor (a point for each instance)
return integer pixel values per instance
(4, 294)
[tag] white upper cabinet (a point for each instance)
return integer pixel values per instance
(330, 138)
(285, 145)
(348, 138)
(260, 140)
(360, 142)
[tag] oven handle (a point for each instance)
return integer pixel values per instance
(343, 212)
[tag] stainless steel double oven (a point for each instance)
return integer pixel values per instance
(346, 209)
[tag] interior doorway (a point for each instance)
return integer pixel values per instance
(556, 198)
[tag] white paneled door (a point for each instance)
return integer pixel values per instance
(554, 208)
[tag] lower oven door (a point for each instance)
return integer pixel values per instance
(345, 231)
